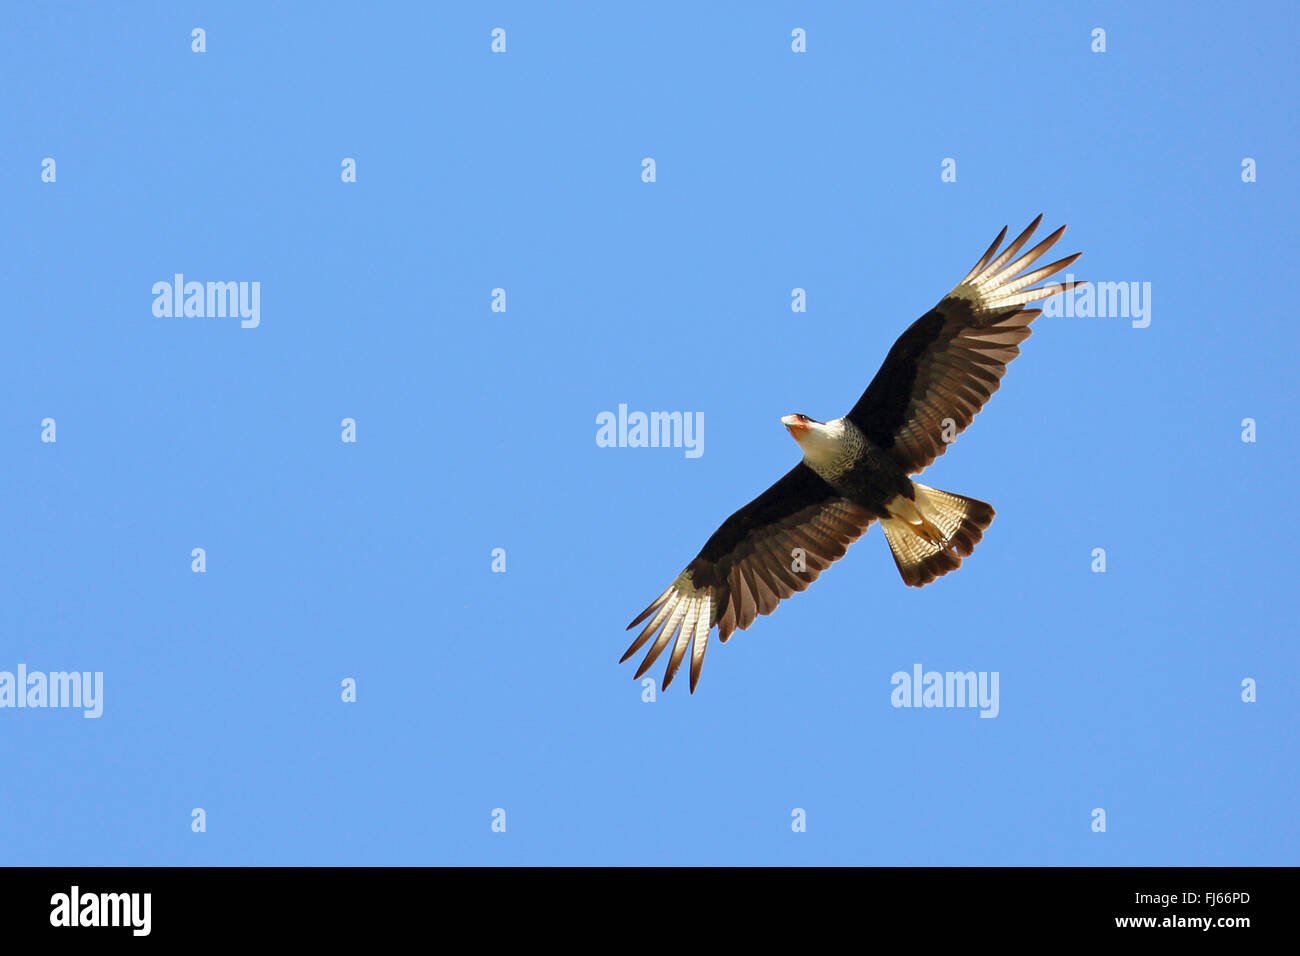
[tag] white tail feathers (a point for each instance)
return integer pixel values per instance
(930, 533)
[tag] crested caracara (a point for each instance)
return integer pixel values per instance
(855, 469)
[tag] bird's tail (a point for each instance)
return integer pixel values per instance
(930, 533)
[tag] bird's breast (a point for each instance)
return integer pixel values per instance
(873, 479)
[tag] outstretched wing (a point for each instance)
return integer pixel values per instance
(951, 360)
(748, 566)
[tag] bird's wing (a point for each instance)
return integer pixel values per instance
(748, 567)
(950, 361)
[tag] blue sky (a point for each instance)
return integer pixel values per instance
(475, 430)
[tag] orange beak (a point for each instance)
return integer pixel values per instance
(796, 426)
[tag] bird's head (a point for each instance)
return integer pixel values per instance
(802, 428)
(827, 447)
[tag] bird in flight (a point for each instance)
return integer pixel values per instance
(855, 469)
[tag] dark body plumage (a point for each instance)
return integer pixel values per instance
(874, 479)
(933, 382)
